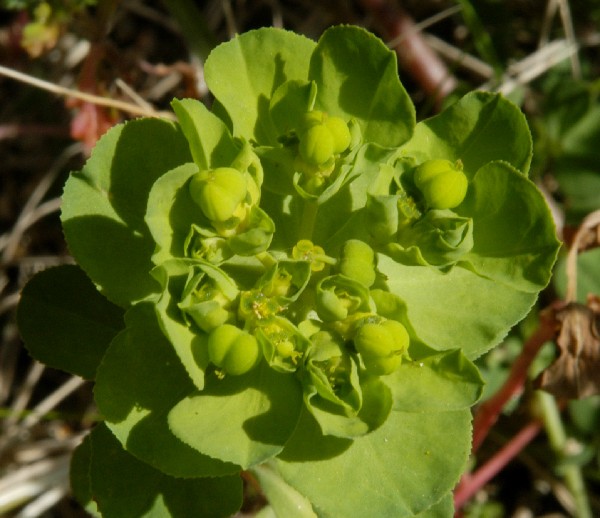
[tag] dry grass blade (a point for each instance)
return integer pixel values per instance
(533, 66)
(82, 96)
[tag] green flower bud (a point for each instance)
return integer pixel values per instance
(340, 132)
(218, 192)
(317, 145)
(322, 137)
(234, 351)
(381, 345)
(381, 366)
(443, 184)
(358, 262)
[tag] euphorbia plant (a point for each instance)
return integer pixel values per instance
(291, 286)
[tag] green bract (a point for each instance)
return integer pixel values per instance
(279, 285)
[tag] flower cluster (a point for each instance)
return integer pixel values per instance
(306, 275)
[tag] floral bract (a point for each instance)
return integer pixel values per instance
(305, 275)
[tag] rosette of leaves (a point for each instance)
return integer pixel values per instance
(290, 223)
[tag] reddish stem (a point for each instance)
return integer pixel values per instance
(488, 412)
(471, 483)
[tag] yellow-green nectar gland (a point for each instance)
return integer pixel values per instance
(255, 305)
(305, 250)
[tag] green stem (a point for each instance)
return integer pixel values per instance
(309, 218)
(557, 437)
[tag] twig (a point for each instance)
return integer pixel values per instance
(32, 211)
(460, 57)
(471, 483)
(413, 52)
(82, 96)
(425, 24)
(533, 66)
(24, 395)
(488, 412)
(42, 408)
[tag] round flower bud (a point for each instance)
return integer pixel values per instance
(381, 366)
(234, 351)
(358, 262)
(218, 192)
(399, 334)
(374, 340)
(381, 346)
(317, 145)
(443, 184)
(340, 132)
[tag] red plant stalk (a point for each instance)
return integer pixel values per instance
(488, 412)
(471, 483)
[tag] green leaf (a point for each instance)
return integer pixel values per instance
(400, 469)
(189, 346)
(138, 382)
(376, 405)
(124, 486)
(172, 212)
(244, 73)
(457, 308)
(285, 500)
(104, 206)
(64, 321)
(479, 128)
(210, 142)
(357, 77)
(79, 476)
(437, 383)
(290, 103)
(241, 419)
(441, 509)
(513, 232)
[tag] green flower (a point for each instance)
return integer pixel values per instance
(208, 297)
(338, 297)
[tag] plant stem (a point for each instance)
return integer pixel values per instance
(471, 483)
(487, 413)
(309, 218)
(557, 437)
